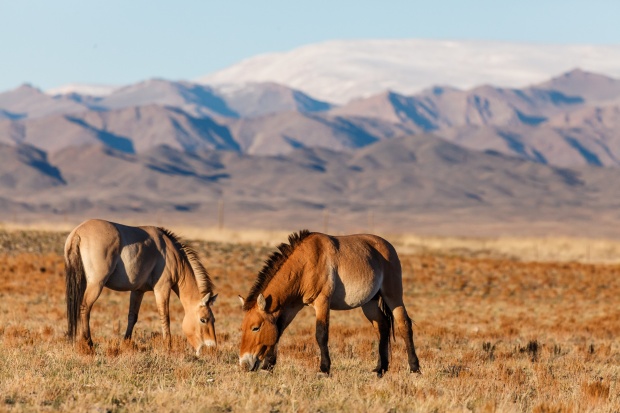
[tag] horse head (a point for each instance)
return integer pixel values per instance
(259, 337)
(199, 324)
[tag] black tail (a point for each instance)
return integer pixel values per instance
(388, 313)
(76, 284)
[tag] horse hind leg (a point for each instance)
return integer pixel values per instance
(392, 293)
(405, 329)
(91, 294)
(381, 323)
(135, 300)
(97, 272)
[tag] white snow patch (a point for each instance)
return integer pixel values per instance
(338, 71)
(83, 89)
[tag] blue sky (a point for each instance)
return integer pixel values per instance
(51, 43)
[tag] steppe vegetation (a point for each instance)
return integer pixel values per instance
(493, 333)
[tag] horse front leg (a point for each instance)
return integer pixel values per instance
(135, 300)
(162, 297)
(321, 306)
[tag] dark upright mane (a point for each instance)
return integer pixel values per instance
(273, 265)
(190, 256)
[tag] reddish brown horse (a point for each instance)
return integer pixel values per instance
(327, 273)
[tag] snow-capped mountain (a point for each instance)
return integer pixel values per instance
(338, 71)
(86, 89)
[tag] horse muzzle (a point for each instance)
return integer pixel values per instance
(249, 362)
(208, 344)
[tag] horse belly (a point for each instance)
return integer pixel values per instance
(354, 293)
(130, 274)
(117, 284)
(122, 283)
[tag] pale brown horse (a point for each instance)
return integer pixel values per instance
(327, 273)
(138, 259)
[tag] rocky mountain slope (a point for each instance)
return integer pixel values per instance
(399, 181)
(569, 120)
(443, 160)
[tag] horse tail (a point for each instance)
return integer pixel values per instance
(385, 309)
(75, 283)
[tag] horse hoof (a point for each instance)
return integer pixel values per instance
(380, 372)
(85, 348)
(322, 375)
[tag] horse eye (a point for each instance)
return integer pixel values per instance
(203, 320)
(255, 329)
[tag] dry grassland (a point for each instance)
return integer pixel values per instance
(492, 334)
(539, 249)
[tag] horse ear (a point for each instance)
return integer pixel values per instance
(262, 303)
(242, 300)
(205, 300)
(212, 299)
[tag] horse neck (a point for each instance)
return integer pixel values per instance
(285, 288)
(187, 285)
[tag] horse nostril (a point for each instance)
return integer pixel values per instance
(248, 362)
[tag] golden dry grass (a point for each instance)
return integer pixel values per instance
(540, 249)
(549, 249)
(492, 335)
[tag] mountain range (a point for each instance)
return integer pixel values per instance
(418, 182)
(569, 120)
(483, 160)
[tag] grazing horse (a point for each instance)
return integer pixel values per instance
(327, 273)
(137, 259)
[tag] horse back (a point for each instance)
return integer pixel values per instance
(95, 235)
(353, 266)
(368, 249)
(125, 256)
